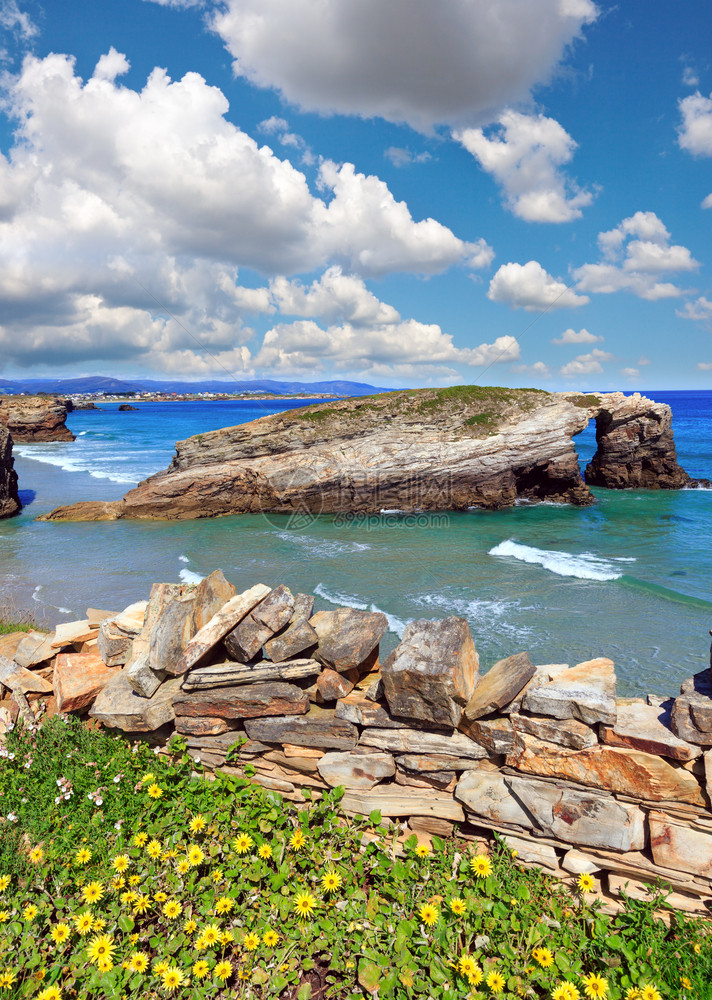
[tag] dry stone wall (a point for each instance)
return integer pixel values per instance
(546, 755)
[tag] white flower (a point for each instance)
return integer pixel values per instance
(57, 799)
(98, 801)
(90, 795)
(67, 796)
(117, 779)
(157, 750)
(196, 759)
(11, 756)
(12, 817)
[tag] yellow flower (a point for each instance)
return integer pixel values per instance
(331, 882)
(160, 967)
(154, 849)
(297, 841)
(428, 914)
(149, 776)
(134, 879)
(632, 994)
(201, 969)
(141, 903)
(82, 856)
(83, 923)
(481, 866)
(101, 949)
(118, 882)
(585, 882)
(129, 897)
(252, 941)
(160, 897)
(304, 904)
(200, 943)
(140, 839)
(29, 913)
(242, 843)
(60, 933)
(697, 948)
(4, 916)
(468, 967)
(650, 992)
(544, 957)
(265, 852)
(197, 824)
(138, 962)
(565, 991)
(217, 876)
(93, 892)
(457, 906)
(194, 856)
(684, 981)
(183, 866)
(172, 909)
(98, 924)
(172, 978)
(222, 971)
(270, 938)
(4, 882)
(36, 855)
(224, 904)
(120, 863)
(225, 937)
(190, 927)
(595, 986)
(211, 934)
(50, 993)
(495, 982)
(7, 978)
(422, 850)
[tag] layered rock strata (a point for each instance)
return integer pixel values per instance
(425, 449)
(573, 777)
(35, 418)
(9, 499)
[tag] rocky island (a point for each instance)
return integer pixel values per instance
(35, 418)
(9, 500)
(421, 449)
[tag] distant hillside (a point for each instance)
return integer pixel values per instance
(106, 384)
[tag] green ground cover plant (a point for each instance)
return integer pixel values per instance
(124, 874)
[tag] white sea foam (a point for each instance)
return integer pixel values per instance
(498, 619)
(184, 559)
(699, 486)
(585, 566)
(59, 454)
(188, 576)
(395, 624)
(321, 546)
(35, 592)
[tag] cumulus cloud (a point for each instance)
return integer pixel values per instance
(400, 157)
(707, 202)
(699, 310)
(525, 154)
(581, 336)
(528, 286)
(690, 77)
(539, 369)
(630, 372)
(333, 296)
(635, 255)
(280, 128)
(16, 20)
(454, 63)
(695, 132)
(586, 364)
(108, 189)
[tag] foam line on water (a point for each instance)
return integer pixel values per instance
(188, 576)
(395, 624)
(59, 455)
(585, 566)
(322, 546)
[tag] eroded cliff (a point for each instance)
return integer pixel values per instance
(35, 418)
(424, 449)
(9, 500)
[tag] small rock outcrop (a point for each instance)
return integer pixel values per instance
(9, 499)
(35, 418)
(127, 408)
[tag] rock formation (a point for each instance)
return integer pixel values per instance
(9, 500)
(35, 418)
(571, 776)
(423, 449)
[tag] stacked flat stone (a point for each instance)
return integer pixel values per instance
(548, 756)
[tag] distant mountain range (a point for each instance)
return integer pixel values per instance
(108, 385)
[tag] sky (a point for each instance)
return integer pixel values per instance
(410, 193)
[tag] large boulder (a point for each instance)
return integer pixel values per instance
(348, 638)
(245, 641)
(691, 718)
(586, 692)
(245, 701)
(78, 678)
(432, 673)
(500, 686)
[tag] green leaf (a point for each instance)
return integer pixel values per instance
(126, 924)
(369, 975)
(304, 992)
(375, 817)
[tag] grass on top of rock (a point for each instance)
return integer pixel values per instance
(13, 619)
(129, 875)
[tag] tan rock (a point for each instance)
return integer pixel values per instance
(498, 735)
(298, 638)
(70, 632)
(393, 803)
(131, 619)
(119, 707)
(708, 773)
(417, 742)
(113, 644)
(487, 795)
(217, 628)
(330, 685)
(579, 863)
(229, 674)
(212, 593)
(444, 781)
(679, 902)
(586, 692)
(293, 751)
(500, 685)
(303, 764)
(348, 637)
(692, 711)
(142, 678)
(578, 817)
(188, 726)
(542, 674)
(245, 701)
(355, 771)
(675, 845)
(532, 853)
(628, 772)
(432, 673)
(318, 728)
(34, 649)
(643, 727)
(433, 762)
(358, 708)
(432, 825)
(172, 631)
(22, 681)
(95, 616)
(10, 642)
(564, 732)
(78, 679)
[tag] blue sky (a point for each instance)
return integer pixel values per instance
(424, 192)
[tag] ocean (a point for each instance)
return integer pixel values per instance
(629, 578)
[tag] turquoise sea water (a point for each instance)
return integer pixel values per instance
(628, 578)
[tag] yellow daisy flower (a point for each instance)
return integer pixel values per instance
(50, 993)
(201, 969)
(252, 941)
(36, 855)
(297, 840)
(632, 994)
(4, 916)
(684, 981)
(59, 933)
(172, 978)
(211, 935)
(82, 856)
(242, 843)
(98, 924)
(217, 876)
(197, 824)
(331, 882)
(141, 903)
(4, 882)
(697, 948)
(481, 866)
(118, 883)
(428, 914)
(92, 892)
(467, 966)
(7, 979)
(565, 991)
(160, 897)
(544, 957)
(194, 856)
(160, 967)
(304, 904)
(134, 879)
(222, 971)
(149, 776)
(595, 986)
(650, 992)
(172, 909)
(138, 962)
(83, 923)
(183, 866)
(190, 927)
(128, 897)
(101, 949)
(120, 863)
(224, 905)
(30, 912)
(265, 852)
(154, 849)
(270, 938)
(585, 882)
(140, 839)
(495, 982)
(457, 906)
(422, 850)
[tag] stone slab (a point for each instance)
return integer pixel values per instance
(488, 796)
(532, 853)
(431, 675)
(362, 711)
(543, 673)
(114, 645)
(34, 649)
(564, 732)
(355, 770)
(500, 685)
(647, 728)
(298, 638)
(171, 634)
(77, 680)
(680, 847)
(70, 632)
(22, 681)
(691, 716)
(417, 742)
(244, 701)
(396, 803)
(586, 692)
(331, 686)
(496, 735)
(119, 707)
(579, 863)
(141, 678)
(428, 763)
(186, 725)
(348, 637)
(212, 593)
(318, 728)
(230, 673)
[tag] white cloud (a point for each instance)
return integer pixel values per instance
(581, 336)
(690, 77)
(458, 62)
(642, 362)
(695, 132)
(14, 19)
(700, 309)
(528, 286)
(707, 202)
(108, 189)
(333, 296)
(634, 264)
(630, 372)
(280, 128)
(400, 157)
(705, 366)
(586, 364)
(525, 155)
(538, 369)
